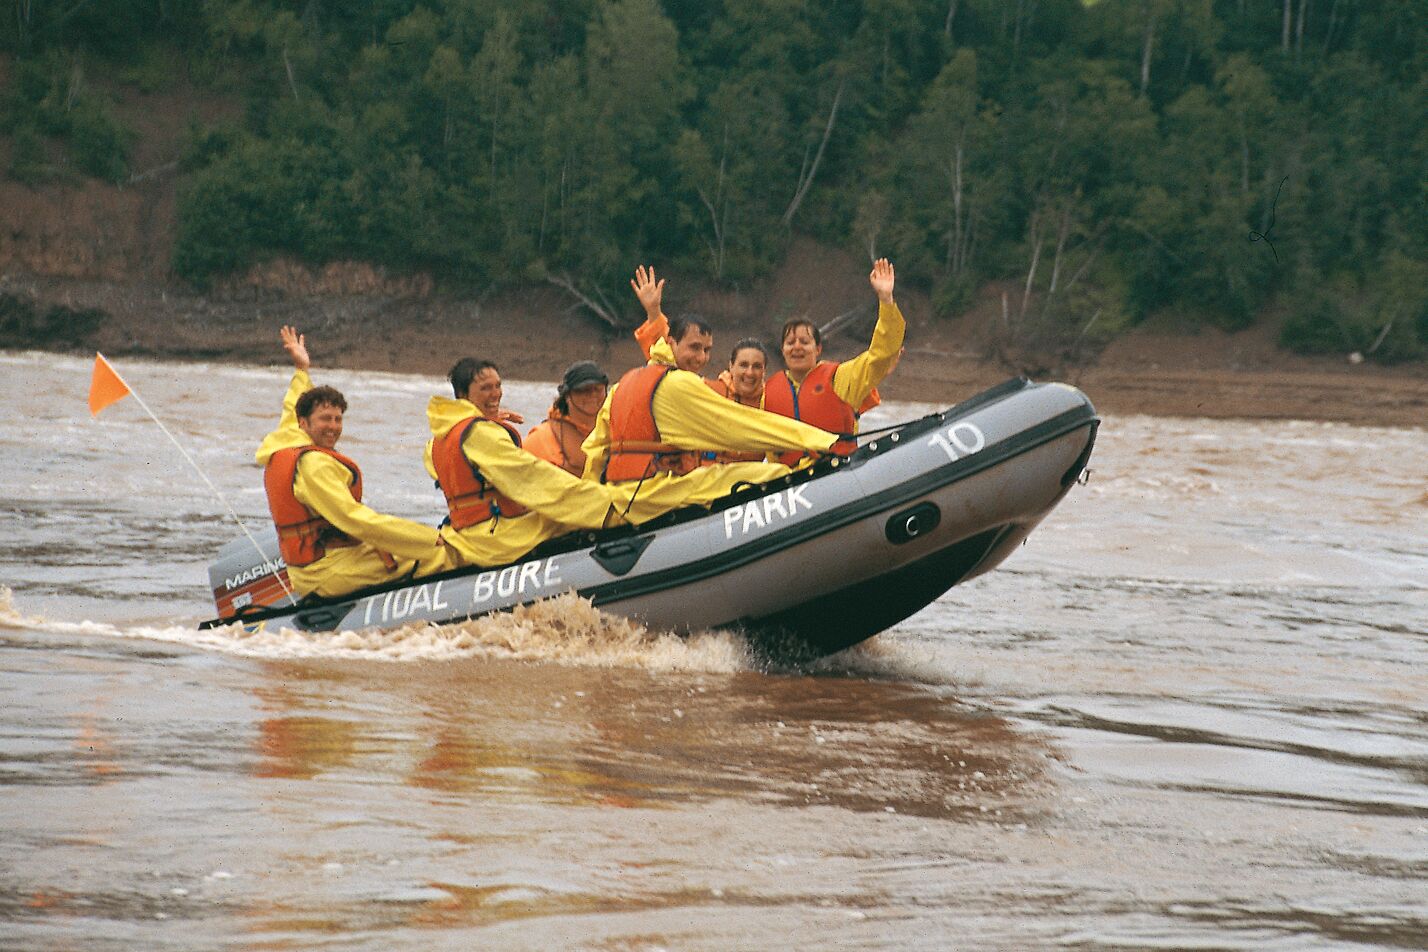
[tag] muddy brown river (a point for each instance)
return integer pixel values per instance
(1191, 713)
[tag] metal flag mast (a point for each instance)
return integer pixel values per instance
(107, 386)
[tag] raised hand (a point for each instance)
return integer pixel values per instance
(882, 279)
(296, 346)
(649, 290)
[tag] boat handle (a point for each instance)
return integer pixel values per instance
(913, 523)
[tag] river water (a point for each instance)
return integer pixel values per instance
(1192, 712)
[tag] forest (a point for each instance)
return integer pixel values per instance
(1220, 161)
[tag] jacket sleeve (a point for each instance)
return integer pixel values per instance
(651, 332)
(855, 379)
(288, 432)
(692, 416)
(597, 445)
(322, 485)
(534, 483)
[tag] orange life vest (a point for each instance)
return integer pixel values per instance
(636, 451)
(709, 459)
(303, 535)
(469, 498)
(557, 439)
(815, 403)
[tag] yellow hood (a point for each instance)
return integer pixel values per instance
(281, 439)
(442, 413)
(288, 434)
(661, 352)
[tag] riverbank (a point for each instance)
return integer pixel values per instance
(535, 334)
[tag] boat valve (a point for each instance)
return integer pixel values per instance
(913, 523)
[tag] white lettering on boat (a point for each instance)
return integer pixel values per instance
(405, 602)
(761, 513)
(959, 440)
(516, 579)
(255, 572)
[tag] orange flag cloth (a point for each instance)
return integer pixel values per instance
(105, 387)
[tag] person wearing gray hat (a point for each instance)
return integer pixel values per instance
(578, 399)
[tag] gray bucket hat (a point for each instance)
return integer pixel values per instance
(582, 374)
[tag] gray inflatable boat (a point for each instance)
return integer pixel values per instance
(806, 565)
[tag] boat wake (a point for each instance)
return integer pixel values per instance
(564, 630)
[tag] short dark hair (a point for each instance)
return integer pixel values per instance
(681, 326)
(797, 322)
(745, 344)
(466, 370)
(319, 397)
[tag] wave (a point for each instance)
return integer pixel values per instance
(564, 630)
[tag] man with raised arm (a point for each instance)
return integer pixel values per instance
(331, 542)
(660, 414)
(502, 500)
(830, 394)
(686, 344)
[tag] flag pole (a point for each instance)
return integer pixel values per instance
(201, 474)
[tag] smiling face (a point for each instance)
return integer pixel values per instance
(800, 350)
(747, 371)
(692, 352)
(588, 399)
(323, 426)
(485, 392)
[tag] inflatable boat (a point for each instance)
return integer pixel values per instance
(809, 564)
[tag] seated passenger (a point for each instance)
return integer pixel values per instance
(331, 543)
(578, 399)
(502, 501)
(743, 382)
(655, 415)
(829, 394)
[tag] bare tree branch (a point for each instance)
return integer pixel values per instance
(837, 323)
(804, 185)
(595, 307)
(292, 83)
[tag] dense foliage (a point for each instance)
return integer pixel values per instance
(1108, 159)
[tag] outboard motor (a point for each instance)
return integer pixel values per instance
(243, 582)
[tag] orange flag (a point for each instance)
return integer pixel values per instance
(105, 387)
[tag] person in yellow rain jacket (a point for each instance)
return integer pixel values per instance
(687, 344)
(502, 501)
(557, 438)
(332, 543)
(658, 413)
(830, 394)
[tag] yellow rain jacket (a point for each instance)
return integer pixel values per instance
(321, 484)
(692, 416)
(558, 502)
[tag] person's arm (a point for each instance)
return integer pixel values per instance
(692, 416)
(597, 445)
(288, 432)
(535, 483)
(855, 379)
(651, 294)
(322, 485)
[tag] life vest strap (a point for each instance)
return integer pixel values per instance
(477, 504)
(321, 534)
(664, 457)
(644, 446)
